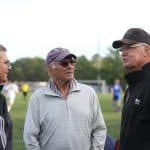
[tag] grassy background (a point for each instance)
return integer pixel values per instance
(18, 112)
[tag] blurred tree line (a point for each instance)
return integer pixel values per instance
(106, 68)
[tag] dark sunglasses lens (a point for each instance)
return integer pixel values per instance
(73, 61)
(65, 63)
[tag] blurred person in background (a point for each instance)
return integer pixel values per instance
(10, 89)
(64, 115)
(109, 143)
(5, 121)
(134, 49)
(116, 95)
(25, 90)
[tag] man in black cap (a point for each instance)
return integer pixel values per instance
(64, 115)
(135, 55)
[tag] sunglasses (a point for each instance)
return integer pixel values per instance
(65, 63)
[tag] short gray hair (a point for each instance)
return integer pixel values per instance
(2, 48)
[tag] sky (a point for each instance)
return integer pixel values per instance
(30, 28)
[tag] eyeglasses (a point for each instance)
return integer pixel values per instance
(65, 63)
(131, 46)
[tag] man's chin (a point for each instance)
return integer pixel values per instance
(3, 80)
(69, 78)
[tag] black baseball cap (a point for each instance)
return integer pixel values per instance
(132, 36)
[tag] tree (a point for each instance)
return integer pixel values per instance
(96, 63)
(84, 69)
(29, 69)
(111, 68)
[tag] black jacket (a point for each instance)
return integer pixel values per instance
(135, 124)
(5, 126)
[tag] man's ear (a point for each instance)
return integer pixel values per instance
(49, 70)
(147, 50)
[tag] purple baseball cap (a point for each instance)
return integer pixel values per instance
(58, 54)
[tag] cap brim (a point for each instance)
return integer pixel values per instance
(64, 55)
(120, 43)
(71, 55)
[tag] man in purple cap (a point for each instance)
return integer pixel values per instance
(134, 48)
(64, 115)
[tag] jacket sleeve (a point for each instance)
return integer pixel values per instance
(32, 125)
(99, 131)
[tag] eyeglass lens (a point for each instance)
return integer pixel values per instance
(66, 62)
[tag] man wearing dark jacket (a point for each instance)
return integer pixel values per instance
(5, 121)
(135, 55)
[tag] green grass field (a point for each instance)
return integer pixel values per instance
(18, 112)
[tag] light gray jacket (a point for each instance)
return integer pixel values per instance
(55, 123)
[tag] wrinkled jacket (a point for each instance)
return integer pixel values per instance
(57, 123)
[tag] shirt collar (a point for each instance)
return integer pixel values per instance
(52, 89)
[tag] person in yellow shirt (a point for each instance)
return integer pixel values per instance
(25, 89)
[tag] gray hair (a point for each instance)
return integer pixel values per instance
(2, 48)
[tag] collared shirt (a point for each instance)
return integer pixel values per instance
(74, 122)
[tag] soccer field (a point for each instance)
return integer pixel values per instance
(18, 112)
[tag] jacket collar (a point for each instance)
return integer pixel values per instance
(74, 87)
(136, 76)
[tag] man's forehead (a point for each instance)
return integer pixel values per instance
(3, 55)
